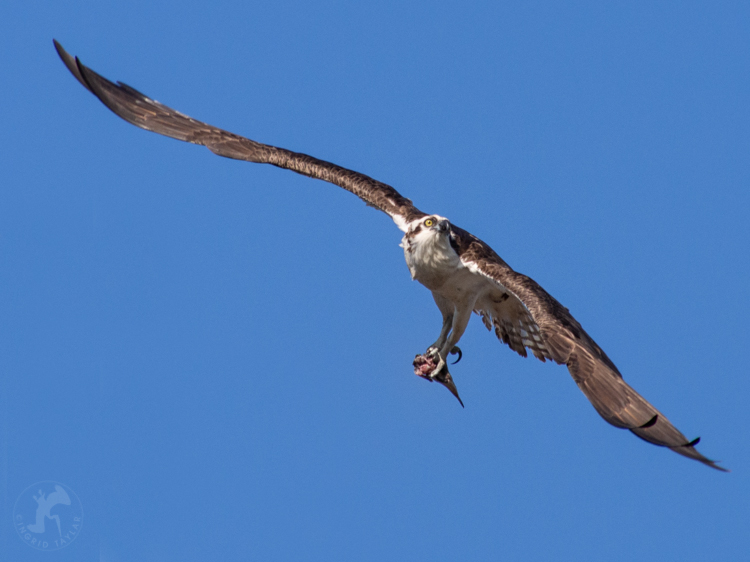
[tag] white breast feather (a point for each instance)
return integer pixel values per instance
(430, 255)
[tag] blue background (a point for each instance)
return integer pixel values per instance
(216, 356)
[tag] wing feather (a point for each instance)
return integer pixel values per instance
(523, 315)
(146, 113)
(530, 317)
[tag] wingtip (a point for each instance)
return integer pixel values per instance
(71, 63)
(712, 464)
(688, 450)
(61, 52)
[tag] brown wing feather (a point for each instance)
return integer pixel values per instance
(523, 314)
(136, 108)
(529, 317)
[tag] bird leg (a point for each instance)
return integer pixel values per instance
(431, 365)
(433, 352)
(448, 339)
(437, 360)
(443, 337)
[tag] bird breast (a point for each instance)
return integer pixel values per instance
(431, 259)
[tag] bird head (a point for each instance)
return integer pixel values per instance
(428, 227)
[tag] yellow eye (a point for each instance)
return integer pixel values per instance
(429, 222)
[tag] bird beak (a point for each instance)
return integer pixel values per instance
(442, 226)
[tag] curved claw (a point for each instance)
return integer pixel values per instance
(456, 351)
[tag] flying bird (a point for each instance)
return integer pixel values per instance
(463, 273)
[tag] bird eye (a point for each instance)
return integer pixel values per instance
(429, 222)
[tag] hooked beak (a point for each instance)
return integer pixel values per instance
(442, 226)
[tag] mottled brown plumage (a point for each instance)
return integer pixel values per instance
(568, 343)
(522, 314)
(143, 112)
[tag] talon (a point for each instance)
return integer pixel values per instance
(456, 351)
(441, 366)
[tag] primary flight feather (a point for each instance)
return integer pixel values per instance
(463, 273)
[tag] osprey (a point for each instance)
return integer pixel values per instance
(463, 273)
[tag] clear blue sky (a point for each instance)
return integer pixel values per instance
(216, 355)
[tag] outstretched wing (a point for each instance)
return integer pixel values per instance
(151, 115)
(525, 316)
